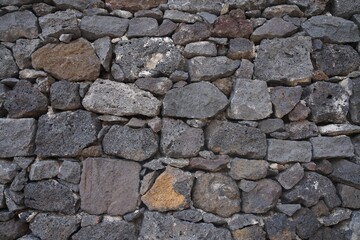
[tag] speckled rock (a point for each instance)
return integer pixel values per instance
(284, 99)
(285, 151)
(8, 67)
(332, 147)
(248, 169)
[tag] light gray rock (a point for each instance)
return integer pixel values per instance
(190, 215)
(355, 101)
(22, 51)
(332, 147)
(241, 48)
(103, 50)
(336, 216)
(239, 221)
(43, 169)
(64, 95)
(248, 169)
(158, 86)
(62, 22)
(8, 171)
(120, 99)
(178, 16)
(142, 27)
(8, 67)
(339, 129)
(291, 176)
(252, 232)
(285, 151)
(346, 172)
(196, 100)
(202, 48)
(70, 171)
(271, 125)
(250, 100)
(345, 8)
(284, 99)
(288, 209)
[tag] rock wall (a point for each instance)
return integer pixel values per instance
(179, 119)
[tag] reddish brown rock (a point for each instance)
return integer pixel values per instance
(133, 5)
(75, 61)
(227, 26)
(213, 165)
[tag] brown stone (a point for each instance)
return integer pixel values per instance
(226, 26)
(109, 186)
(171, 191)
(75, 61)
(133, 5)
(249, 233)
(213, 165)
(319, 75)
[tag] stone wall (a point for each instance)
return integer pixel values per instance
(179, 119)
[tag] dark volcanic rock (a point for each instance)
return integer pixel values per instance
(332, 147)
(345, 8)
(22, 51)
(355, 101)
(142, 27)
(64, 95)
(249, 233)
(285, 151)
(306, 223)
(248, 169)
(241, 48)
(284, 99)
(133, 6)
(291, 176)
(279, 227)
(229, 27)
(8, 170)
(350, 196)
(158, 86)
(187, 33)
(301, 130)
(8, 67)
(346, 172)
(13, 229)
(212, 165)
(202, 48)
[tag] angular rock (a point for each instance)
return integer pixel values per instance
(250, 100)
(70, 172)
(211, 68)
(276, 61)
(187, 33)
(329, 102)
(275, 27)
(120, 99)
(332, 147)
(229, 27)
(311, 189)
(19, 181)
(8, 67)
(336, 216)
(306, 223)
(346, 172)
(18, 24)
(98, 193)
(8, 170)
(288, 209)
(13, 229)
(62, 22)
(171, 191)
(211, 165)
(232, 138)
(345, 8)
(245, 70)
(248, 169)
(51, 196)
(17, 137)
(249, 233)
(241, 48)
(166, 28)
(178, 16)
(133, 6)
(301, 130)
(66, 133)
(331, 29)
(48, 226)
(64, 95)
(134, 144)
(271, 125)
(190, 215)
(43, 169)
(355, 101)
(78, 4)
(291, 176)
(74, 61)
(279, 227)
(285, 151)
(282, 10)
(330, 233)
(299, 112)
(147, 57)
(202, 48)
(350, 196)
(22, 51)
(196, 100)
(158, 86)
(336, 60)
(339, 129)
(142, 27)
(180, 140)
(238, 221)
(285, 99)
(103, 49)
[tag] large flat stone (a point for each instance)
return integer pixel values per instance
(285, 151)
(332, 147)
(349, 196)
(62, 22)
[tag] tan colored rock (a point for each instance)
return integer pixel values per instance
(133, 5)
(249, 233)
(74, 61)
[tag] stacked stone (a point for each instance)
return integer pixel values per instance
(179, 119)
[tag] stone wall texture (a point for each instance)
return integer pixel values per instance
(179, 119)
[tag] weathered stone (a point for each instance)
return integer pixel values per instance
(171, 191)
(224, 84)
(153, 13)
(330, 233)
(249, 233)
(241, 48)
(285, 99)
(13, 229)
(180, 140)
(311, 188)
(329, 102)
(99, 195)
(66, 133)
(320, 209)
(332, 147)
(147, 181)
(178, 16)
(306, 223)
(109, 97)
(51, 196)
(48, 226)
(202, 48)
(134, 144)
(62, 22)
(279, 227)
(216, 193)
(238, 221)
(18, 182)
(336, 60)
(70, 172)
(166, 28)
(229, 27)
(300, 112)
(211, 68)
(336, 216)
(212, 218)
(288, 209)
(18, 24)
(271, 125)
(275, 27)
(133, 6)
(103, 49)
(346, 172)
(312, 8)
(212, 165)
(190, 215)
(339, 129)
(64, 95)
(232, 138)
(248, 169)
(350, 196)
(324, 167)
(22, 51)
(107, 230)
(246, 185)
(147, 57)
(284, 151)
(74, 61)
(41, 9)
(187, 33)
(78, 4)
(331, 29)
(291, 176)
(250, 100)
(8, 67)
(17, 137)
(355, 101)
(160, 226)
(301, 130)
(43, 169)
(142, 27)
(158, 86)
(8, 170)
(275, 60)
(345, 8)
(196, 100)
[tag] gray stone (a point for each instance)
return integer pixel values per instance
(345, 8)
(64, 95)
(355, 101)
(249, 233)
(167, 28)
(212, 218)
(94, 27)
(43, 169)
(275, 60)
(350, 196)
(158, 86)
(324, 167)
(196, 100)
(175, 162)
(103, 49)
(70, 172)
(8, 67)
(23, 162)
(306, 223)
(212, 165)
(132, 6)
(62, 22)
(51, 196)
(285, 99)
(202, 48)
(136, 123)
(288, 209)
(311, 189)
(19, 24)
(279, 227)
(211, 68)
(336, 216)
(22, 51)
(178, 16)
(117, 230)
(301, 130)
(190, 215)
(241, 48)
(13, 229)
(160, 226)
(250, 100)
(142, 27)
(285, 151)
(300, 112)
(41, 9)
(147, 181)
(291, 176)
(17, 137)
(329, 102)
(336, 60)
(147, 57)
(8, 170)
(98, 193)
(134, 144)
(282, 10)
(339, 129)
(66, 133)
(216, 193)
(232, 138)
(275, 27)
(187, 33)
(232, 25)
(19, 181)
(331, 29)
(77, 4)
(48, 226)
(332, 147)
(238, 221)
(346, 172)
(332, 233)
(271, 125)
(117, 73)
(246, 185)
(311, 7)
(248, 169)
(120, 99)
(153, 13)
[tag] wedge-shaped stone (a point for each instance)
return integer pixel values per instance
(346, 172)
(285, 99)
(285, 151)
(276, 27)
(8, 66)
(332, 147)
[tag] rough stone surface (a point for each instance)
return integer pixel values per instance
(133, 6)
(158, 86)
(65, 95)
(8, 171)
(279, 227)
(238, 221)
(78, 4)
(43, 170)
(285, 99)
(142, 27)
(271, 125)
(346, 172)
(250, 233)
(248, 169)
(282, 10)
(8, 67)
(291, 176)
(336, 216)
(285, 151)
(241, 48)
(355, 101)
(13, 229)
(22, 51)
(202, 48)
(301, 130)
(99, 195)
(332, 147)
(230, 27)
(299, 112)
(339, 129)
(306, 223)
(212, 165)
(103, 49)
(187, 33)
(345, 8)
(350, 196)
